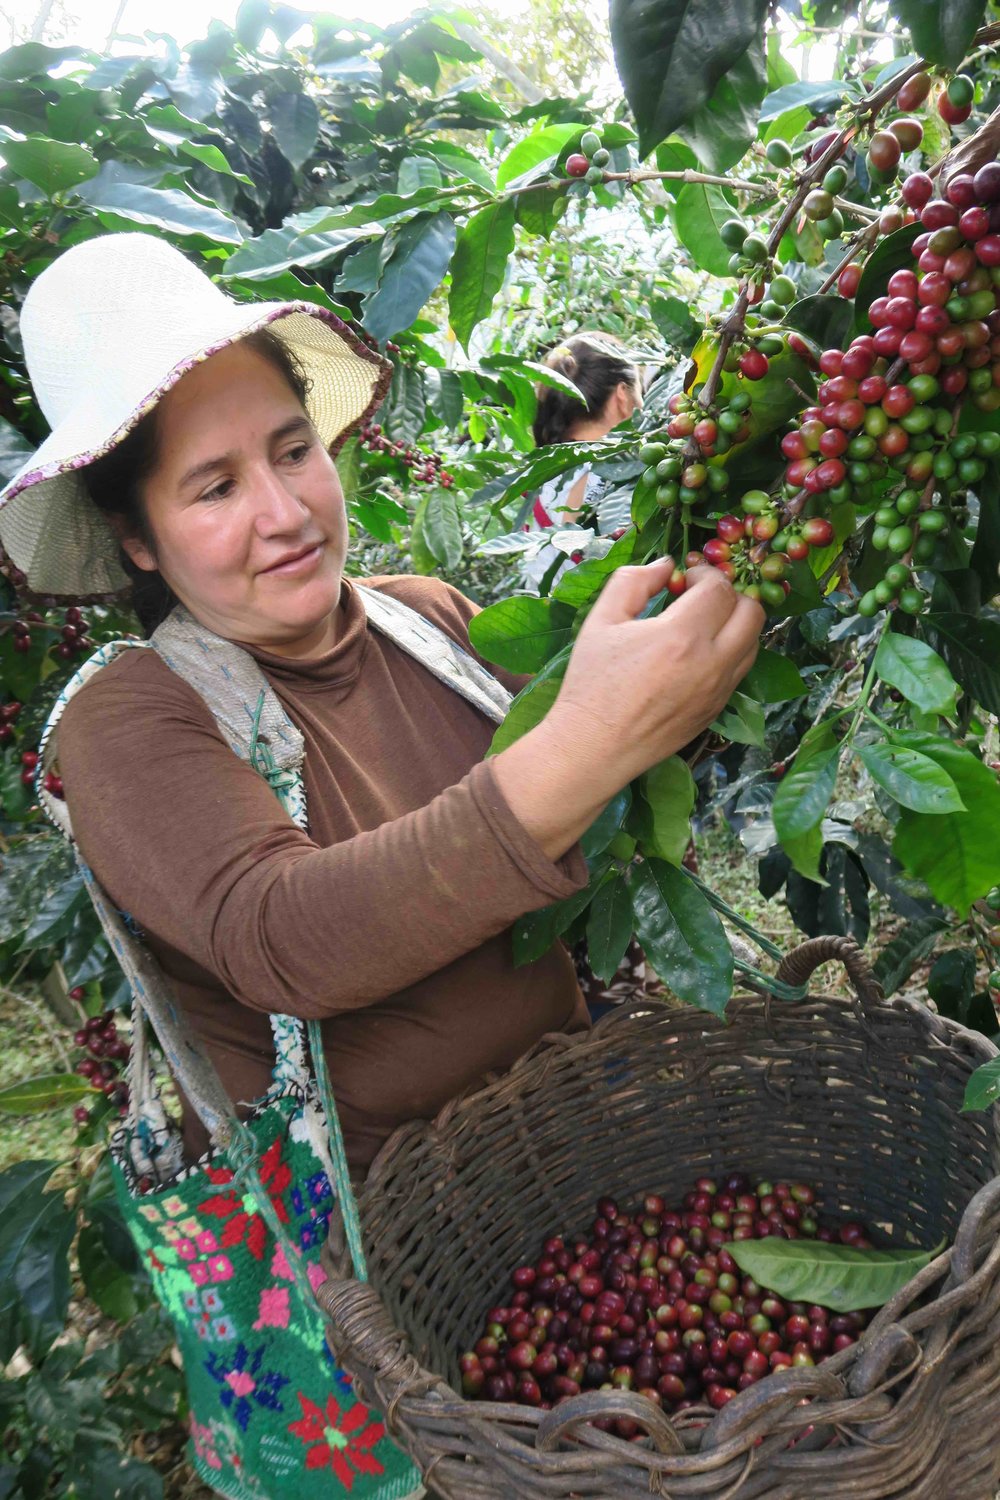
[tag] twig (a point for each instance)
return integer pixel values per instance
(689, 175)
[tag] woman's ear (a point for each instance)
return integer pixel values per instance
(136, 549)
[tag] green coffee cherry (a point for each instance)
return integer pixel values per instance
(733, 233)
(868, 605)
(832, 227)
(755, 249)
(778, 153)
(818, 204)
(593, 175)
(783, 290)
(652, 453)
(835, 180)
(911, 601)
(590, 142)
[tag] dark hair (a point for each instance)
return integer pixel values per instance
(115, 483)
(597, 363)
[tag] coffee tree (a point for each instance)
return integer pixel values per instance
(811, 270)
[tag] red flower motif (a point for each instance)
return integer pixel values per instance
(276, 1176)
(338, 1440)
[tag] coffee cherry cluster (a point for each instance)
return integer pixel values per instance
(73, 631)
(652, 1302)
(10, 712)
(107, 1055)
(591, 159)
(753, 553)
(888, 402)
(425, 468)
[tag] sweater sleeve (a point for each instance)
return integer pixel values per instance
(196, 847)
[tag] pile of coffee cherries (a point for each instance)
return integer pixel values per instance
(74, 642)
(425, 468)
(107, 1054)
(591, 159)
(652, 1302)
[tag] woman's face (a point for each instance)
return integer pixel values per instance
(245, 507)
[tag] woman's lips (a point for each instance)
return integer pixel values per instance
(298, 564)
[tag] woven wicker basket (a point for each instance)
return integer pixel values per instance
(862, 1099)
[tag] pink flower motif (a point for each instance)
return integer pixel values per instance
(187, 1249)
(279, 1265)
(207, 1241)
(199, 1273)
(240, 1383)
(273, 1311)
(316, 1275)
(204, 1445)
(220, 1267)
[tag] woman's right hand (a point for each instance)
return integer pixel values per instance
(635, 692)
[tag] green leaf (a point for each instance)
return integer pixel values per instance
(839, 1277)
(404, 410)
(54, 166)
(951, 984)
(277, 250)
(917, 672)
(532, 703)
(162, 208)
(741, 721)
(535, 933)
(971, 647)
(537, 151)
(579, 585)
(212, 157)
(294, 125)
(543, 465)
(805, 790)
(671, 54)
(956, 854)
(822, 95)
(675, 155)
(983, 1088)
(604, 827)
(110, 1286)
(34, 1096)
(912, 779)
(699, 212)
(681, 934)
(773, 678)
(417, 256)
(722, 129)
(442, 528)
(53, 917)
(479, 266)
(941, 30)
(417, 172)
(674, 322)
(900, 957)
(521, 633)
(661, 819)
(609, 928)
(456, 161)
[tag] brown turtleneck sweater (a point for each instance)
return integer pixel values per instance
(390, 920)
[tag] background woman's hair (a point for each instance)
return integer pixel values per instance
(115, 484)
(597, 363)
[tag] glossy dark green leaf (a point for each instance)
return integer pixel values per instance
(900, 957)
(532, 703)
(536, 151)
(418, 257)
(839, 1277)
(521, 633)
(971, 648)
(604, 827)
(911, 779)
(699, 212)
(405, 408)
(295, 124)
(609, 928)
(671, 54)
(674, 322)
(917, 671)
(951, 984)
(580, 584)
(773, 678)
(111, 1287)
(721, 130)
(34, 1096)
(822, 95)
(484, 246)
(661, 816)
(941, 30)
(53, 917)
(681, 935)
(442, 526)
(802, 798)
(983, 1088)
(534, 934)
(741, 721)
(957, 854)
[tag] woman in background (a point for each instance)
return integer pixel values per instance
(599, 365)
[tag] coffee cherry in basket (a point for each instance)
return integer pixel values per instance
(649, 1300)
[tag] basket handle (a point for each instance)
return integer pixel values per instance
(578, 1411)
(797, 967)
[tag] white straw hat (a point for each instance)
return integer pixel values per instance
(109, 327)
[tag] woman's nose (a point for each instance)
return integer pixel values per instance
(278, 507)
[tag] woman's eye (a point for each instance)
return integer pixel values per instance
(219, 491)
(298, 453)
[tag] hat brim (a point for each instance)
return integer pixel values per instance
(50, 528)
